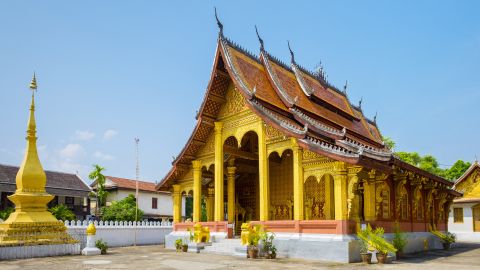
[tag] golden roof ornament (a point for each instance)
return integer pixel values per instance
(33, 83)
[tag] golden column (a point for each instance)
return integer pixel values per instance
(210, 202)
(340, 190)
(197, 190)
(219, 208)
(329, 207)
(31, 223)
(369, 197)
(231, 190)
(297, 181)
(177, 203)
(263, 172)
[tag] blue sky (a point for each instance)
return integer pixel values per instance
(110, 71)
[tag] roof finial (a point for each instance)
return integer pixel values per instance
(220, 25)
(33, 83)
(360, 103)
(259, 38)
(291, 52)
(345, 87)
(375, 118)
(476, 160)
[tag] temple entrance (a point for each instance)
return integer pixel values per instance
(476, 218)
(246, 194)
(281, 185)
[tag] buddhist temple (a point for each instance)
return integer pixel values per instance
(279, 145)
(464, 219)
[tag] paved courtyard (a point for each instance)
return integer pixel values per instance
(156, 257)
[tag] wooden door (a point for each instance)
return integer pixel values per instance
(476, 218)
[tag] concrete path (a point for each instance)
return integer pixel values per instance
(156, 257)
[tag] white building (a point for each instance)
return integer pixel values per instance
(156, 205)
(464, 217)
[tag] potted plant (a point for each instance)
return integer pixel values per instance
(253, 238)
(178, 244)
(100, 244)
(364, 238)
(399, 241)
(269, 249)
(447, 239)
(381, 245)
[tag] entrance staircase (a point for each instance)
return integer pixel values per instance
(227, 247)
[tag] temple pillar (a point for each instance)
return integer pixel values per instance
(353, 199)
(369, 197)
(297, 181)
(197, 190)
(329, 206)
(177, 203)
(210, 203)
(231, 190)
(219, 208)
(340, 191)
(263, 172)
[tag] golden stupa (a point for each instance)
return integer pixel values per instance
(31, 223)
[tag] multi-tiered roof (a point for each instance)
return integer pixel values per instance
(297, 102)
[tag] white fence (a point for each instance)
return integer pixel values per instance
(122, 233)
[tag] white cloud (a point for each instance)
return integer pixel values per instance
(84, 135)
(110, 133)
(72, 151)
(103, 156)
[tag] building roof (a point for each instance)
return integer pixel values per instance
(124, 183)
(58, 183)
(297, 102)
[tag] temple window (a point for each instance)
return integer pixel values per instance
(458, 215)
(154, 203)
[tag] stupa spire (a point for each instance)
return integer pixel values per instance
(31, 176)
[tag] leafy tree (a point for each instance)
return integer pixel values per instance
(62, 212)
(123, 210)
(101, 194)
(457, 170)
(5, 213)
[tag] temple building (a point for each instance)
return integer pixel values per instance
(464, 219)
(278, 145)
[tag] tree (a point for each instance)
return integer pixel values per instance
(123, 210)
(61, 212)
(101, 194)
(5, 213)
(457, 170)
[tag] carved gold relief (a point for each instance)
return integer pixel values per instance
(235, 103)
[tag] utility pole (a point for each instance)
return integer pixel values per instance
(137, 176)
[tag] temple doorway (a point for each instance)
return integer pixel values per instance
(244, 157)
(476, 218)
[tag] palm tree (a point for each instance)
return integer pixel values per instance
(97, 176)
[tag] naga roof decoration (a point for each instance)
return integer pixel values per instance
(293, 100)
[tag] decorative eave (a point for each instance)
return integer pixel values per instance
(329, 150)
(317, 126)
(375, 153)
(402, 164)
(272, 75)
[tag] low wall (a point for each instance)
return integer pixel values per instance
(120, 234)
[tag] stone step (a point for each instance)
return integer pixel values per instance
(227, 247)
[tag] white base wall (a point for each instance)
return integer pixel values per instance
(468, 237)
(25, 252)
(121, 234)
